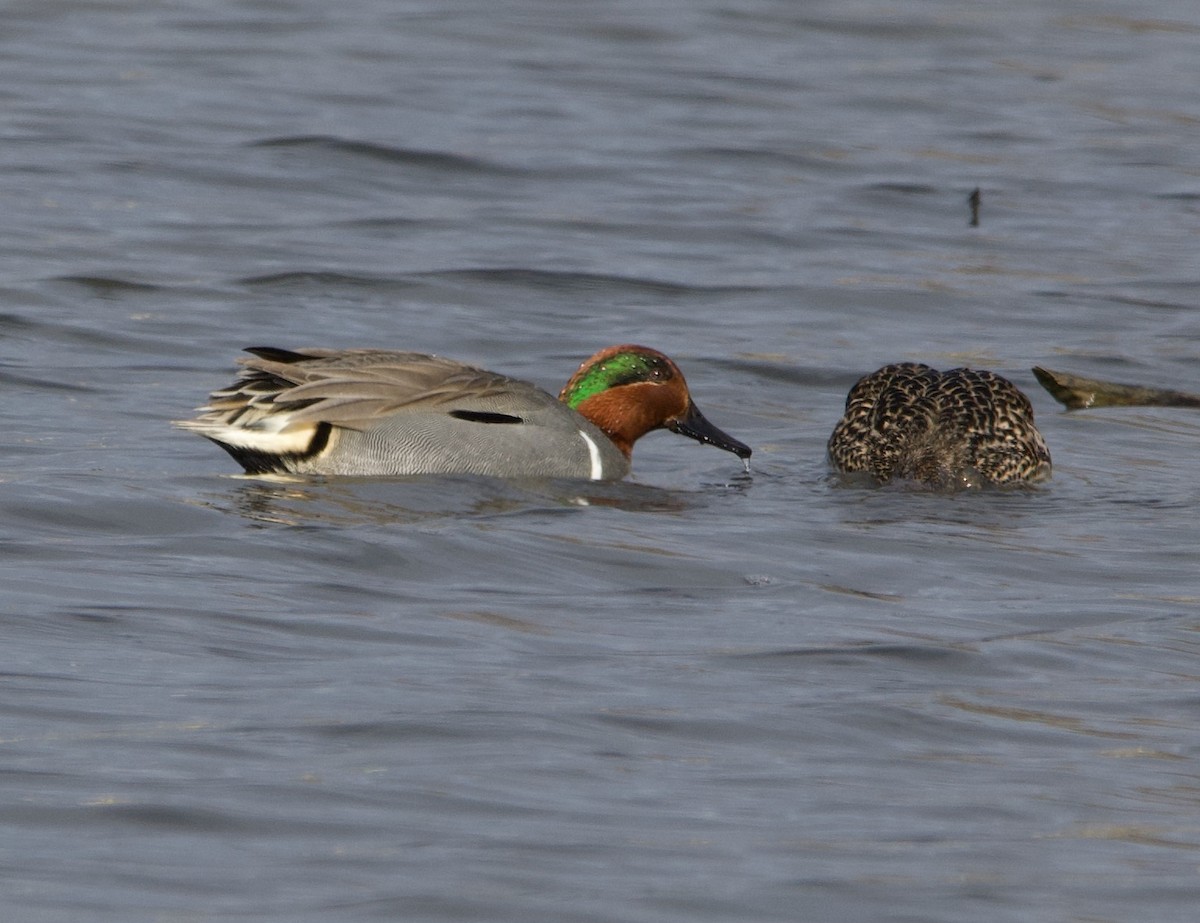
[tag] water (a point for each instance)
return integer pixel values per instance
(693, 696)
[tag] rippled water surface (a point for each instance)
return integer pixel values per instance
(697, 695)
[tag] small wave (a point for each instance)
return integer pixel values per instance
(45, 384)
(107, 286)
(580, 281)
(318, 278)
(816, 160)
(432, 160)
(841, 654)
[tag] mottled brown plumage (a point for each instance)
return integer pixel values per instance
(961, 428)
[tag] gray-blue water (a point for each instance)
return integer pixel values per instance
(693, 696)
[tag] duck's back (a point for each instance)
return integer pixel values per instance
(381, 412)
(962, 427)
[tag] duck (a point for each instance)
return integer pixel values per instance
(945, 430)
(380, 412)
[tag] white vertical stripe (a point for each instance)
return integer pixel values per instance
(594, 454)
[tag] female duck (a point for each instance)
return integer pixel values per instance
(961, 428)
(380, 412)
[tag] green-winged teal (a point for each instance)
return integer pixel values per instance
(961, 428)
(380, 412)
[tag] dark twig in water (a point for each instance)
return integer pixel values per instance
(1077, 393)
(975, 198)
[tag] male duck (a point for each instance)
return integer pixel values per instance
(961, 428)
(381, 412)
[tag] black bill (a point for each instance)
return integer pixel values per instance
(695, 425)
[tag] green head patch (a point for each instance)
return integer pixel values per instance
(625, 368)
